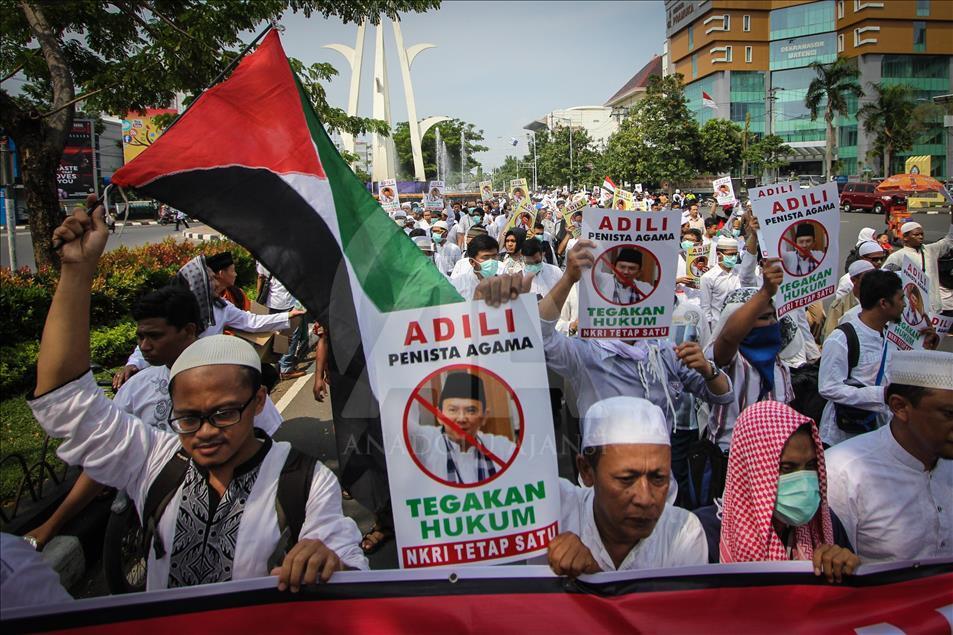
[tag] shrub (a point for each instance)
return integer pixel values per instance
(124, 275)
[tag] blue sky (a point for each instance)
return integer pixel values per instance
(498, 65)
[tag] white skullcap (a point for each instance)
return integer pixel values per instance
(866, 234)
(215, 350)
(727, 242)
(869, 247)
(859, 267)
(619, 420)
(909, 226)
(927, 369)
(440, 224)
(424, 242)
(400, 214)
(405, 205)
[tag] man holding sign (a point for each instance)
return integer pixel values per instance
(801, 228)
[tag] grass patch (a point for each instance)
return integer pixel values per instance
(21, 434)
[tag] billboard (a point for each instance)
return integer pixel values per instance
(76, 177)
(139, 131)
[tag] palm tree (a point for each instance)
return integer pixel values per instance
(833, 84)
(893, 118)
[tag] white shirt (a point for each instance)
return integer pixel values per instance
(464, 278)
(891, 507)
(430, 448)
(833, 372)
(116, 449)
(145, 396)
(844, 287)
(926, 259)
(678, 539)
(446, 256)
(227, 315)
(545, 280)
(800, 265)
(279, 298)
(25, 577)
(570, 310)
(611, 288)
(716, 284)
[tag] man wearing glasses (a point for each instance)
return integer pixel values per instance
(872, 252)
(220, 523)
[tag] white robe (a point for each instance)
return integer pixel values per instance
(891, 506)
(116, 449)
(678, 539)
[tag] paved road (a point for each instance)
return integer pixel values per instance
(132, 236)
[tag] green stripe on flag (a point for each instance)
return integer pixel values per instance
(391, 269)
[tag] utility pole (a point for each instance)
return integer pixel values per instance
(535, 157)
(744, 147)
(6, 180)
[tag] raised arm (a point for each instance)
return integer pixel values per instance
(579, 259)
(742, 320)
(64, 348)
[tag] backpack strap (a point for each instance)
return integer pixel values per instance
(853, 345)
(160, 494)
(291, 502)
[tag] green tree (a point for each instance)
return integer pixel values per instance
(560, 163)
(894, 119)
(719, 146)
(450, 135)
(767, 153)
(657, 141)
(128, 55)
(830, 90)
(507, 171)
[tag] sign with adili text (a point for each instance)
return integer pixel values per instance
(801, 228)
(907, 334)
(468, 433)
(630, 291)
(388, 196)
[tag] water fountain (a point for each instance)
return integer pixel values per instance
(442, 156)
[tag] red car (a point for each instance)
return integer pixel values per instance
(865, 197)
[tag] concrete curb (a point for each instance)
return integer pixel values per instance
(199, 236)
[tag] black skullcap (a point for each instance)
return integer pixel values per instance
(628, 254)
(804, 229)
(463, 385)
(217, 262)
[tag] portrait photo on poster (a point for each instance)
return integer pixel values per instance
(914, 313)
(803, 247)
(626, 274)
(463, 425)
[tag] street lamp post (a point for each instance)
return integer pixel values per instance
(535, 184)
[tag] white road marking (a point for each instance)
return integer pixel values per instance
(296, 387)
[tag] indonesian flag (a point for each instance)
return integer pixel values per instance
(251, 159)
(607, 184)
(708, 102)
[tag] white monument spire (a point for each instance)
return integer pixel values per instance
(354, 57)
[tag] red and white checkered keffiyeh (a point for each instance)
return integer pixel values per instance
(751, 488)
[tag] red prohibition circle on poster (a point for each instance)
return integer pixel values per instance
(463, 413)
(803, 247)
(618, 264)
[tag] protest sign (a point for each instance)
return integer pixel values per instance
(433, 199)
(696, 263)
(629, 292)
(605, 199)
(388, 196)
(571, 208)
(638, 188)
(524, 213)
(943, 324)
(486, 190)
(801, 228)
(623, 200)
(596, 192)
(724, 191)
(468, 432)
(907, 334)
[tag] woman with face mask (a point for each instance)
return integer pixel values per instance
(512, 258)
(775, 503)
